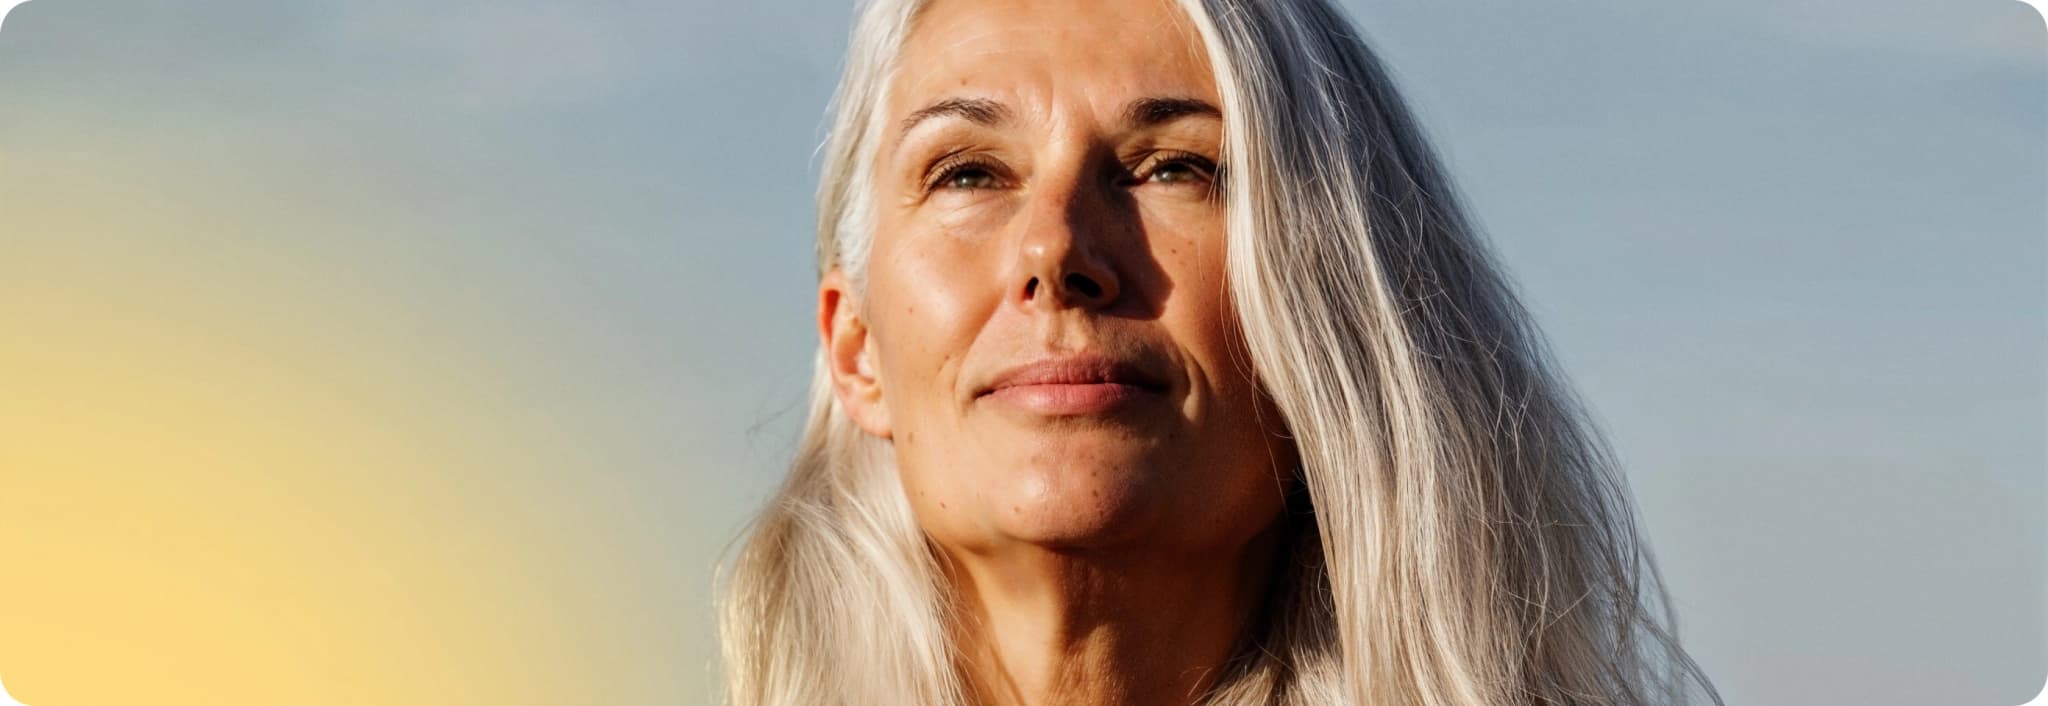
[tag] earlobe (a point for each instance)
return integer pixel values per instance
(849, 353)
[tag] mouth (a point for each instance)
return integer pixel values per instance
(1073, 386)
(1071, 399)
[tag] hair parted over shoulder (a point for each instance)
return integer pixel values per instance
(1465, 536)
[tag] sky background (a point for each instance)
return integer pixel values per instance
(432, 353)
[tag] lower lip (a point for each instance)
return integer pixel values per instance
(1070, 400)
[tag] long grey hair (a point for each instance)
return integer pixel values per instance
(1463, 534)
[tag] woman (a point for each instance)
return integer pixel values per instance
(1159, 365)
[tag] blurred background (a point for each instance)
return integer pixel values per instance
(433, 353)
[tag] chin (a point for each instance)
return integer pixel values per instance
(1078, 502)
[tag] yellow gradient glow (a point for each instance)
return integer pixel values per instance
(231, 473)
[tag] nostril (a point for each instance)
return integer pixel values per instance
(1031, 288)
(1086, 287)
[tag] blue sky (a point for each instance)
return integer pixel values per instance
(1792, 252)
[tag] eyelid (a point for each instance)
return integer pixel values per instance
(950, 164)
(1211, 171)
(944, 168)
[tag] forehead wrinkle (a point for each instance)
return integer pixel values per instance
(913, 42)
(927, 74)
(905, 86)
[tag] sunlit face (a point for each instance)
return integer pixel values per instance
(1044, 333)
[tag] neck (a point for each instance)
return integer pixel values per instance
(1116, 628)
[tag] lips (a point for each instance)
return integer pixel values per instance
(1073, 385)
(1075, 370)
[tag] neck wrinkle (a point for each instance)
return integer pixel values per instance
(1082, 628)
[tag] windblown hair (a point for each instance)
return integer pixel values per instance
(1463, 535)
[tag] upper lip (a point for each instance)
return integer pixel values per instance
(1079, 369)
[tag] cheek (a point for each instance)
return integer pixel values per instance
(1233, 422)
(1197, 313)
(925, 307)
(929, 299)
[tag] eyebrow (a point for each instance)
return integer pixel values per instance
(1150, 112)
(1140, 113)
(980, 111)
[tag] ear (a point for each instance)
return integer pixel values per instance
(849, 355)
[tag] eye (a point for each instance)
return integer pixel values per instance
(968, 177)
(965, 173)
(1179, 168)
(1175, 172)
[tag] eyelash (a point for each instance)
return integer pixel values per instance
(950, 167)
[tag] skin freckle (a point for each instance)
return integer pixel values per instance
(1058, 272)
(1021, 208)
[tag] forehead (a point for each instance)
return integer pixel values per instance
(1051, 55)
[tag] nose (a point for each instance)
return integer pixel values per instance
(1062, 256)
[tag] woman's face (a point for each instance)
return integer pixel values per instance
(1044, 333)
